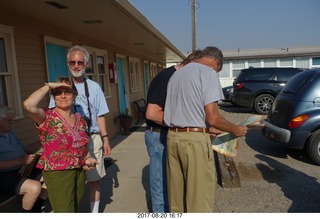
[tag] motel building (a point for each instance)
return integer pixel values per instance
(126, 51)
(235, 60)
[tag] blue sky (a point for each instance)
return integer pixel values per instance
(233, 24)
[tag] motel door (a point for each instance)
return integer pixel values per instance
(121, 85)
(146, 76)
(57, 61)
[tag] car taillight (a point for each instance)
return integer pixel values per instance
(238, 85)
(298, 121)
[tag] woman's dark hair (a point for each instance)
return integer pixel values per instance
(68, 81)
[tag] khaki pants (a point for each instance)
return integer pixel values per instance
(95, 147)
(190, 171)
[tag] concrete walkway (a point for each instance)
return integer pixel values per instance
(125, 188)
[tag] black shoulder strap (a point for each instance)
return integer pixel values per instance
(86, 90)
(87, 95)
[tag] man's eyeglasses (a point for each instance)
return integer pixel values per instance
(59, 91)
(79, 63)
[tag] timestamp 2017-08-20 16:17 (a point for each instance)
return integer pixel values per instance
(159, 215)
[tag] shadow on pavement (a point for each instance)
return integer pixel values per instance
(109, 182)
(145, 183)
(301, 189)
(261, 144)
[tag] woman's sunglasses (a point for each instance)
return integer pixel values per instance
(59, 91)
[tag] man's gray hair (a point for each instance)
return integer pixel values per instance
(4, 110)
(211, 51)
(81, 49)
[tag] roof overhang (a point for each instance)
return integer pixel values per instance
(271, 53)
(116, 22)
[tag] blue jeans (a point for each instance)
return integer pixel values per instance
(156, 147)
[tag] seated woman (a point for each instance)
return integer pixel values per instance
(13, 155)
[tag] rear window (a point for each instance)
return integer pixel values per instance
(259, 74)
(254, 74)
(296, 83)
(284, 74)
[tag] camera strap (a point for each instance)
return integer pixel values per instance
(86, 90)
(87, 95)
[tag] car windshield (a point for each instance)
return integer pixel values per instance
(295, 83)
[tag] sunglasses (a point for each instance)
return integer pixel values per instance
(66, 92)
(79, 63)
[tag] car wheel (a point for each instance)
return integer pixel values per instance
(313, 147)
(263, 103)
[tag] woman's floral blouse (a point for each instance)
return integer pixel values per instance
(64, 147)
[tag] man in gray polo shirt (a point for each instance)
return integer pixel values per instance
(191, 108)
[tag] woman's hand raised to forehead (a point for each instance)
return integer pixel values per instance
(54, 85)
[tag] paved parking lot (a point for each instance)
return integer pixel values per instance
(273, 178)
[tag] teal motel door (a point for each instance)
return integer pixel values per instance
(57, 61)
(146, 76)
(121, 85)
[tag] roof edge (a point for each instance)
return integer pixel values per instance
(128, 8)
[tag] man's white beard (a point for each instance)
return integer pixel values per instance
(78, 74)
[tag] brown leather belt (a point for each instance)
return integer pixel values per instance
(157, 129)
(189, 129)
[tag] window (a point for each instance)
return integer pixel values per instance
(160, 68)
(237, 67)
(102, 76)
(258, 74)
(90, 68)
(270, 63)
(286, 62)
(146, 75)
(302, 63)
(134, 74)
(284, 74)
(153, 70)
(316, 61)
(224, 73)
(97, 69)
(254, 63)
(9, 80)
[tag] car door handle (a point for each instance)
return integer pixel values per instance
(277, 85)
